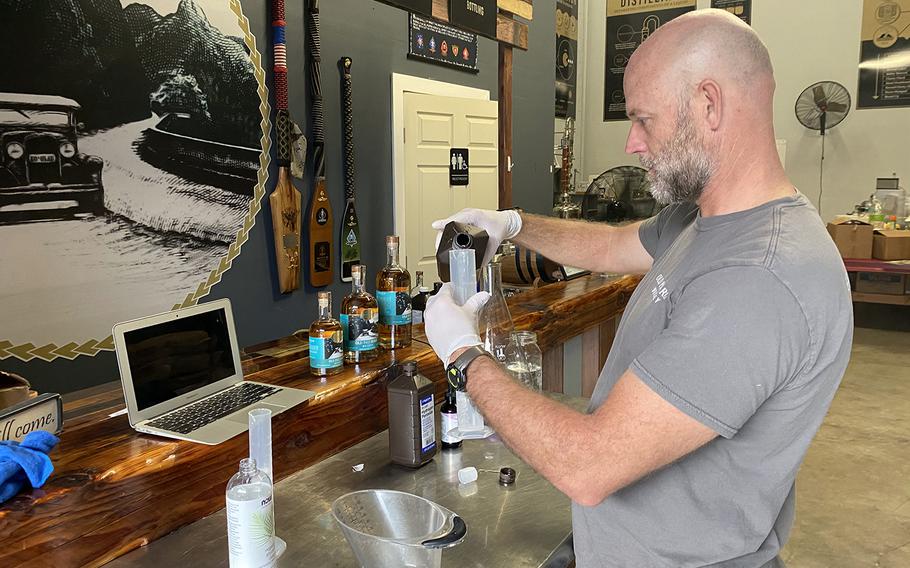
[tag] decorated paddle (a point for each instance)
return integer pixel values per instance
(284, 201)
(320, 214)
(349, 243)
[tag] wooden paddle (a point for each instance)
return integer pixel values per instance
(349, 242)
(284, 200)
(320, 215)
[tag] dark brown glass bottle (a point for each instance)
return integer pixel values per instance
(448, 421)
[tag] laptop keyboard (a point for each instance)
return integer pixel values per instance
(199, 414)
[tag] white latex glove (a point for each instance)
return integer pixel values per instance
(499, 225)
(450, 327)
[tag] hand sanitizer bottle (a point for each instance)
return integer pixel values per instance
(250, 518)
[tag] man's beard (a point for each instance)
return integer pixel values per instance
(682, 169)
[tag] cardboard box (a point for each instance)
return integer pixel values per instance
(853, 238)
(880, 283)
(891, 245)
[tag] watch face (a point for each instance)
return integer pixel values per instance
(455, 378)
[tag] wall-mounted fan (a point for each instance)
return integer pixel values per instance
(617, 194)
(822, 106)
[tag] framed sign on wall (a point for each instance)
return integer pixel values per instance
(884, 56)
(628, 25)
(143, 137)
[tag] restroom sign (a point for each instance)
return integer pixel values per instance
(458, 166)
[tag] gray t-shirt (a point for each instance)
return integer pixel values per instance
(745, 323)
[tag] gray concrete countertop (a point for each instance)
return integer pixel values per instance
(515, 526)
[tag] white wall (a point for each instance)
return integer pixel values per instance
(809, 41)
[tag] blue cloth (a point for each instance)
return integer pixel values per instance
(25, 462)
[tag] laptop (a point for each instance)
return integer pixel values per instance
(182, 377)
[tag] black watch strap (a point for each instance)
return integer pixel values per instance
(456, 373)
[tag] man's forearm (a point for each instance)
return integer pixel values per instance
(568, 242)
(543, 433)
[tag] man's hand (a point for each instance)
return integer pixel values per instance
(449, 326)
(499, 225)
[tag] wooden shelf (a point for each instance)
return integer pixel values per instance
(903, 300)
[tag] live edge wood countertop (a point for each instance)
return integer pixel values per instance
(113, 489)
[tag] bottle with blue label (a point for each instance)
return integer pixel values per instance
(359, 320)
(326, 340)
(393, 292)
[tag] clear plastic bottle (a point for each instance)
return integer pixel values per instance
(495, 321)
(524, 359)
(876, 213)
(250, 518)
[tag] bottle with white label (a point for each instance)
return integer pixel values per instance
(448, 421)
(412, 417)
(250, 518)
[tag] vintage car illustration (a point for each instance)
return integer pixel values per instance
(41, 167)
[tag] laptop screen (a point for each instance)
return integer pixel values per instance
(174, 358)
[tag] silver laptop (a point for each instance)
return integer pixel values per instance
(182, 378)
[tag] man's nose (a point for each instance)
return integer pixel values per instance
(635, 143)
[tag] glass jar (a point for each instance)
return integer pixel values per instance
(524, 359)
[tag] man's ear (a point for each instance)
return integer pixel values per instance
(712, 101)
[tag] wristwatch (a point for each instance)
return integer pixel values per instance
(456, 372)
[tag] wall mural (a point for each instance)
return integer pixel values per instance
(134, 143)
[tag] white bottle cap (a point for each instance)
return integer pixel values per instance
(467, 474)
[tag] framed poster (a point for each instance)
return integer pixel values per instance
(141, 136)
(566, 56)
(742, 9)
(884, 55)
(629, 23)
(441, 43)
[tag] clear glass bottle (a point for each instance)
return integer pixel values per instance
(393, 285)
(419, 300)
(495, 321)
(326, 340)
(359, 320)
(524, 359)
(250, 517)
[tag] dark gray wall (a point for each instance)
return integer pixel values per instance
(533, 109)
(376, 37)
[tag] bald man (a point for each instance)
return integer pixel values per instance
(729, 352)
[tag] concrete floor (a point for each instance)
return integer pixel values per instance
(853, 491)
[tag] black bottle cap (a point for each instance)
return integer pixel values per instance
(409, 367)
(507, 476)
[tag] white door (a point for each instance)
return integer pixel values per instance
(434, 125)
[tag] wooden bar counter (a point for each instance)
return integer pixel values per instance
(114, 490)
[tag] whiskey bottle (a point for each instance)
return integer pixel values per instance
(419, 299)
(326, 340)
(393, 284)
(359, 320)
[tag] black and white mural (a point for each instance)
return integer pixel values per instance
(133, 156)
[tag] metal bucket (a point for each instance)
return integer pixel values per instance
(394, 528)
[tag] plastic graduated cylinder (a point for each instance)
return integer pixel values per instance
(464, 280)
